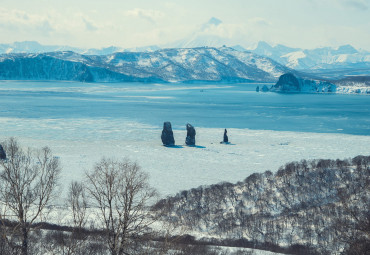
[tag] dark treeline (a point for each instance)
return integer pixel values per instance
(322, 205)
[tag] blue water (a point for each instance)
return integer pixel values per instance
(214, 106)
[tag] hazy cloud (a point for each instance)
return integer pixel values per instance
(90, 26)
(358, 4)
(20, 20)
(150, 15)
(259, 21)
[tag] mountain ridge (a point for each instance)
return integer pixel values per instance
(167, 65)
(345, 56)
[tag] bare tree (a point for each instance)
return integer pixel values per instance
(75, 240)
(27, 184)
(121, 193)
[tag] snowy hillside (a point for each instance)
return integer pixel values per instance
(169, 65)
(320, 204)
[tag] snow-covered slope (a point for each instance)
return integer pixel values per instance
(301, 204)
(170, 65)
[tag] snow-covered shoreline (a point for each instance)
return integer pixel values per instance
(174, 169)
(354, 89)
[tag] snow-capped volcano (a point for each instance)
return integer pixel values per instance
(206, 35)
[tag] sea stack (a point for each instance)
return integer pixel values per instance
(190, 136)
(226, 139)
(2, 153)
(167, 134)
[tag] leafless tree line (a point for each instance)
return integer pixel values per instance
(109, 212)
(118, 190)
(322, 205)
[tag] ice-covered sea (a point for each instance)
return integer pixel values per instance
(83, 122)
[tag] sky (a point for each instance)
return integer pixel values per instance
(135, 23)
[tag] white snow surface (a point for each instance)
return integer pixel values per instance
(353, 88)
(293, 58)
(174, 169)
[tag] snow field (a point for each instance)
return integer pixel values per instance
(80, 145)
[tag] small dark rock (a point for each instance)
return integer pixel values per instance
(226, 139)
(265, 88)
(2, 153)
(167, 134)
(258, 89)
(190, 136)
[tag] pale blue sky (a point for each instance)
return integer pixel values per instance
(131, 23)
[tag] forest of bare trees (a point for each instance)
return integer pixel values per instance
(116, 193)
(322, 205)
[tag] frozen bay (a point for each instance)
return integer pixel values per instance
(83, 122)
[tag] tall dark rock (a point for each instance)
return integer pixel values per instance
(190, 136)
(226, 139)
(167, 134)
(2, 153)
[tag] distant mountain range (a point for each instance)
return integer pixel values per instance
(167, 65)
(344, 56)
(309, 60)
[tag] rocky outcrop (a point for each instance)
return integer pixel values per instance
(290, 83)
(265, 88)
(167, 134)
(2, 153)
(287, 82)
(190, 136)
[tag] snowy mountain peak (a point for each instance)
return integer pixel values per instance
(345, 56)
(263, 45)
(212, 22)
(346, 49)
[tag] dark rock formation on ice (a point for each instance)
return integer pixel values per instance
(167, 134)
(190, 136)
(226, 139)
(258, 89)
(2, 153)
